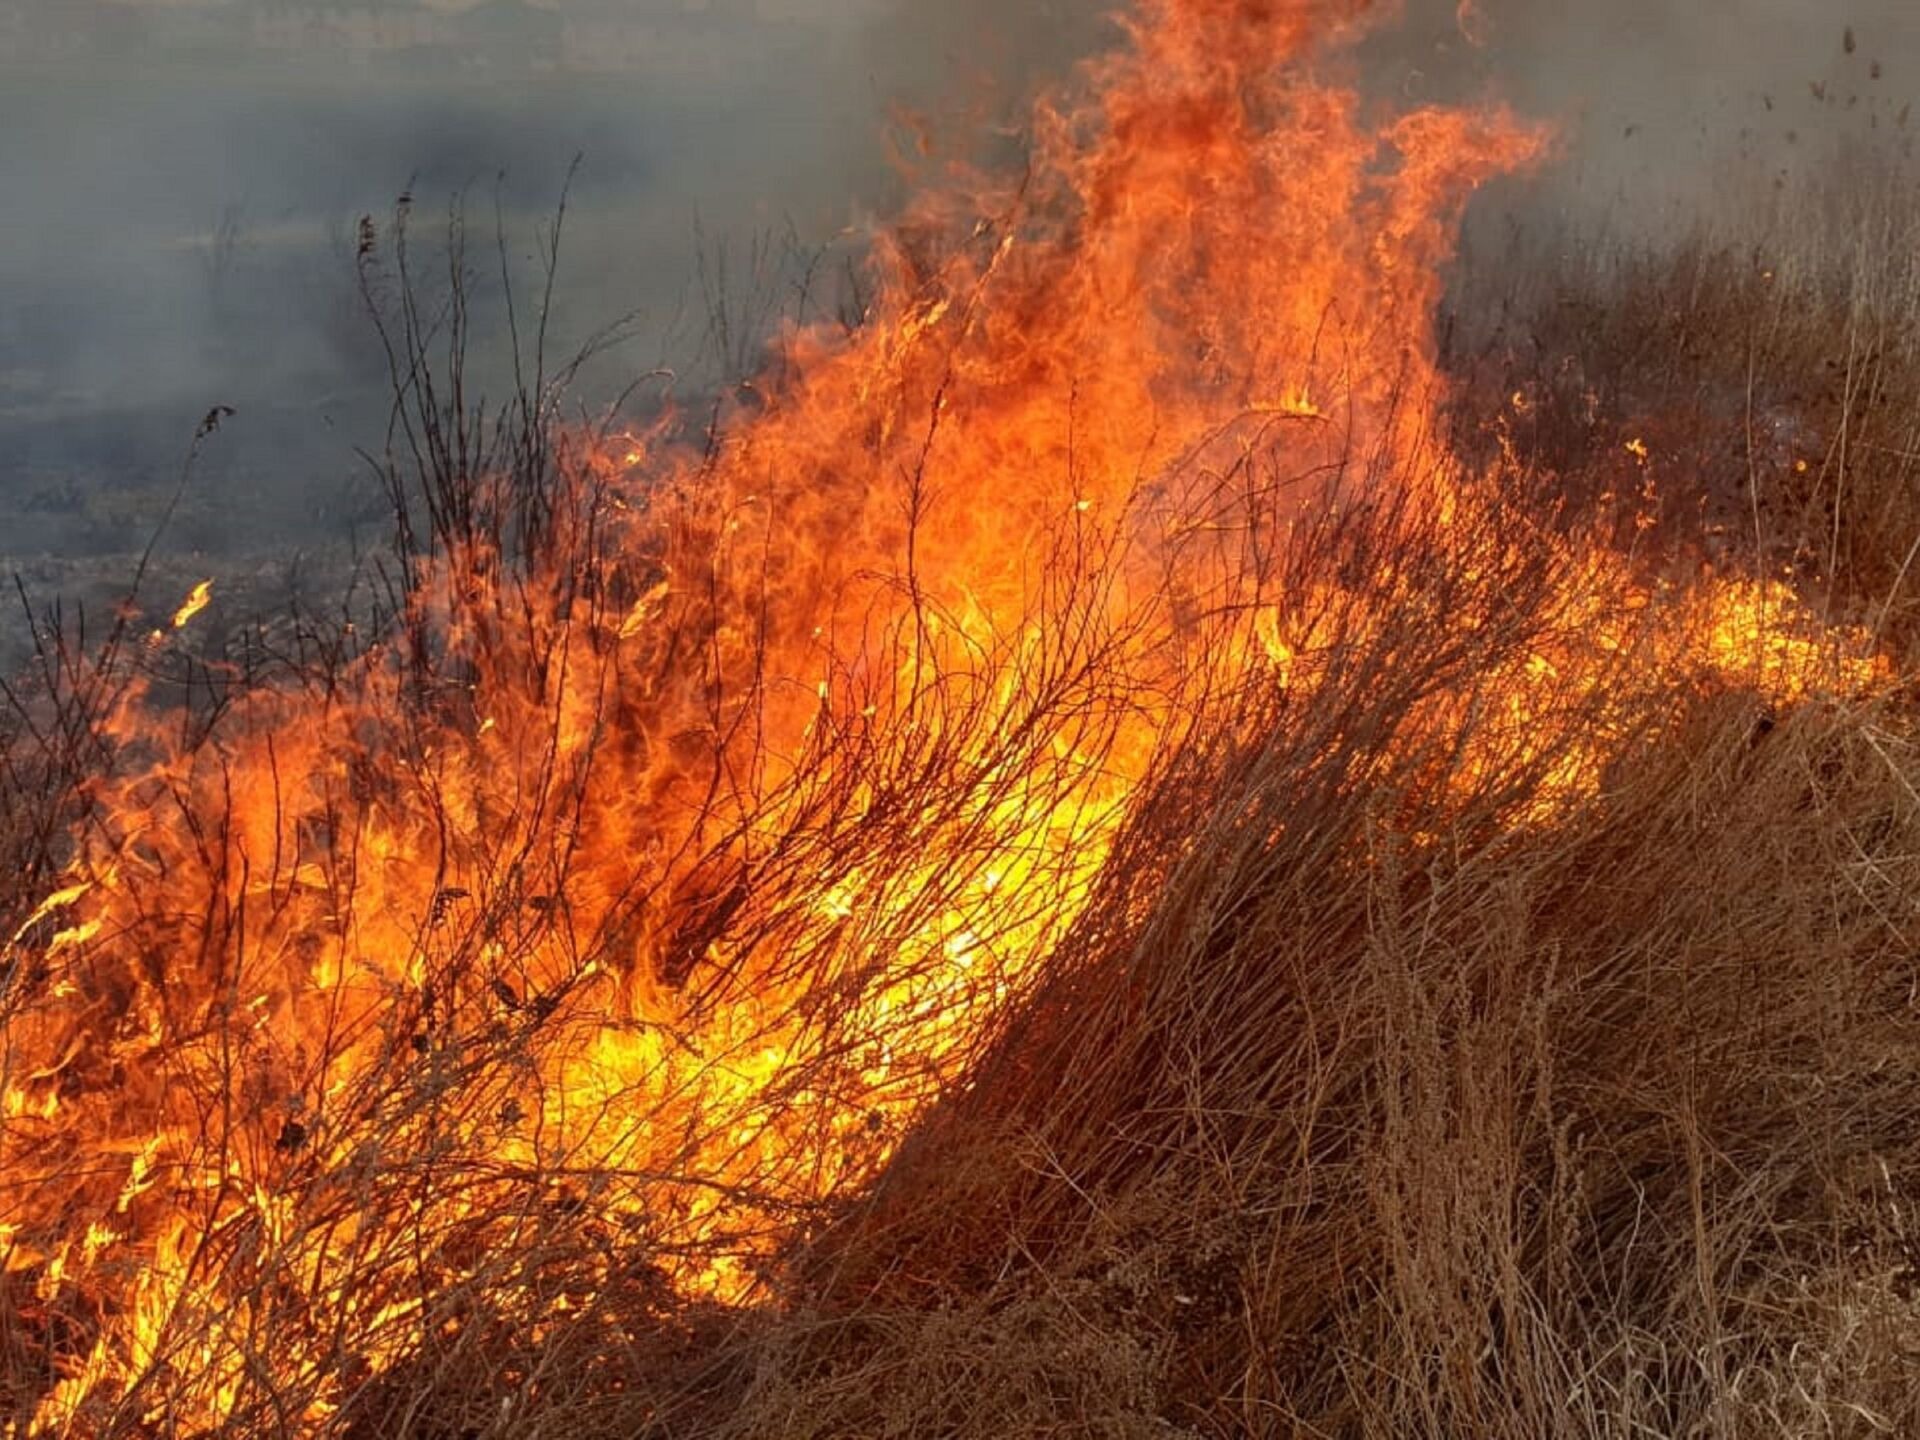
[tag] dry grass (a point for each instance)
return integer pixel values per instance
(1357, 1111)
(1768, 365)
(1352, 1106)
(1604, 1130)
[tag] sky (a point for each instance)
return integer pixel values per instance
(184, 176)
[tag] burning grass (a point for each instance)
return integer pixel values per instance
(1092, 860)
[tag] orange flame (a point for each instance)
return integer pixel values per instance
(671, 881)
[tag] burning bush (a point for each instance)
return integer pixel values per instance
(1073, 867)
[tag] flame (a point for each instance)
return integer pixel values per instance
(197, 600)
(666, 877)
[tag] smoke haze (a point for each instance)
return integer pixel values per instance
(184, 178)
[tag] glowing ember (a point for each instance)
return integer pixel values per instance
(663, 879)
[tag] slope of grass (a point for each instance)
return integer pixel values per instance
(1354, 1106)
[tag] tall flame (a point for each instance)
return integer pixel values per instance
(666, 878)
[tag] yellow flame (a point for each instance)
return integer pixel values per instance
(196, 601)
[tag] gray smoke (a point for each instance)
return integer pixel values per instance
(183, 182)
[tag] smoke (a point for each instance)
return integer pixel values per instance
(184, 181)
(1670, 99)
(1675, 112)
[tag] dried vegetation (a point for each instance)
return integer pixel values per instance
(1382, 1086)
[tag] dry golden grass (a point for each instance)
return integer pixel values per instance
(1353, 1107)
(1354, 1111)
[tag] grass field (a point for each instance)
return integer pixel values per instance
(1272, 832)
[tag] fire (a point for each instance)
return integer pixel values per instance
(197, 600)
(645, 887)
